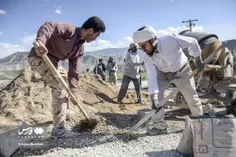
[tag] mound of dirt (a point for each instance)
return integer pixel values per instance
(27, 99)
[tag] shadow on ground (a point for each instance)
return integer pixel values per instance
(121, 121)
(177, 115)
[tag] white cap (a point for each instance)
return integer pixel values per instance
(144, 34)
(132, 45)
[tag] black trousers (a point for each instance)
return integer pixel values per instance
(124, 87)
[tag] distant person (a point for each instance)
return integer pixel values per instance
(112, 69)
(166, 62)
(131, 73)
(87, 70)
(100, 69)
(60, 41)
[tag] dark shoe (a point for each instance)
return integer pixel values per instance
(58, 132)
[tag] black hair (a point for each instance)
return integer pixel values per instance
(96, 23)
(100, 60)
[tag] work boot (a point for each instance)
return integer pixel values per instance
(158, 128)
(58, 132)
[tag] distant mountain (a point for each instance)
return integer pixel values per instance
(15, 61)
(18, 60)
(117, 52)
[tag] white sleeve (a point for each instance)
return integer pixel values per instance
(190, 43)
(151, 75)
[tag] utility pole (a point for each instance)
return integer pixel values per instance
(191, 24)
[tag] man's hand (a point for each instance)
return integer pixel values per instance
(199, 63)
(40, 48)
(155, 104)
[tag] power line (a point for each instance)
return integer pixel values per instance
(191, 24)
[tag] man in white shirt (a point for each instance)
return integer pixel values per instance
(112, 69)
(166, 62)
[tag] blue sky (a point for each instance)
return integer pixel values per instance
(20, 19)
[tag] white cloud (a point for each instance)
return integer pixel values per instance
(1, 33)
(7, 49)
(26, 44)
(176, 30)
(98, 45)
(58, 11)
(27, 41)
(2, 11)
(103, 44)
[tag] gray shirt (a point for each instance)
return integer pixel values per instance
(132, 63)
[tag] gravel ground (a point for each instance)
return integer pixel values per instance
(110, 145)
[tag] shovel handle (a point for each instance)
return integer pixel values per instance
(58, 76)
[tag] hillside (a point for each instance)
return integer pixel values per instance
(18, 60)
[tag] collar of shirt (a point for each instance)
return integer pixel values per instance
(79, 34)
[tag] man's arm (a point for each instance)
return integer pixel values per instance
(151, 76)
(194, 49)
(73, 74)
(188, 42)
(152, 82)
(131, 59)
(54, 28)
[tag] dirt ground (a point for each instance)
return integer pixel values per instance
(28, 100)
(29, 95)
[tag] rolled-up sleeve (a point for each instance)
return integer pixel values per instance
(151, 76)
(73, 73)
(190, 43)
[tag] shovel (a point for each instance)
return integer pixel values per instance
(127, 136)
(86, 124)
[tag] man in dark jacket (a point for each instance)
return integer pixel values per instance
(100, 69)
(60, 41)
